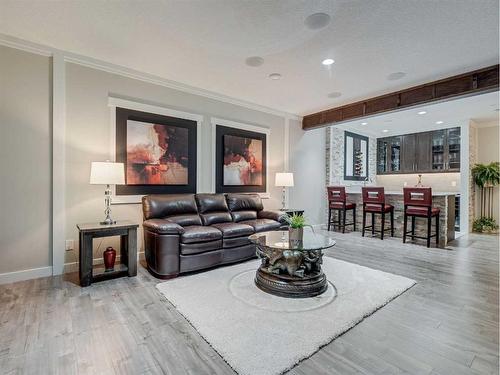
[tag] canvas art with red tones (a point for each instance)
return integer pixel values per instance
(242, 161)
(156, 154)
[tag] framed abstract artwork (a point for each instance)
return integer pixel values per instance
(159, 153)
(240, 160)
(355, 157)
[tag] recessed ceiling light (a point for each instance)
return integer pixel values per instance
(422, 112)
(385, 131)
(254, 61)
(275, 76)
(364, 123)
(395, 76)
(334, 94)
(439, 122)
(328, 62)
(317, 21)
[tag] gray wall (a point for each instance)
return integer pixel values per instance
(307, 162)
(25, 160)
(88, 134)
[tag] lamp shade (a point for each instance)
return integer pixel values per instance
(284, 179)
(107, 173)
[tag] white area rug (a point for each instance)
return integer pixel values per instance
(260, 334)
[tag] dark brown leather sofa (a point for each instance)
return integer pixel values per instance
(189, 232)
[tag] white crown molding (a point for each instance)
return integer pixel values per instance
(89, 62)
(34, 273)
(24, 45)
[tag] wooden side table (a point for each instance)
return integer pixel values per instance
(127, 231)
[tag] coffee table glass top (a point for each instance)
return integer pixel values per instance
(279, 240)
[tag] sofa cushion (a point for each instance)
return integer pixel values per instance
(213, 208)
(162, 226)
(228, 243)
(216, 217)
(244, 202)
(200, 247)
(161, 205)
(198, 233)
(273, 215)
(243, 215)
(186, 219)
(211, 203)
(263, 225)
(230, 230)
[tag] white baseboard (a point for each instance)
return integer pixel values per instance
(34, 273)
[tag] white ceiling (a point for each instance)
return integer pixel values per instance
(205, 43)
(482, 109)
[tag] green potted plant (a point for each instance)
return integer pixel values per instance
(486, 176)
(296, 225)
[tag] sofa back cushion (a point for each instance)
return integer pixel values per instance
(213, 208)
(244, 206)
(165, 206)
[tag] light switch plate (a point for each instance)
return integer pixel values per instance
(70, 245)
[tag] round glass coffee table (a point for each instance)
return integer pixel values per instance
(291, 268)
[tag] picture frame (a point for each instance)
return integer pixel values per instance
(356, 161)
(240, 158)
(160, 178)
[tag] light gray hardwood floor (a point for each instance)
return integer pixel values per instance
(446, 324)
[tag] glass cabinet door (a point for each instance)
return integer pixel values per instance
(395, 154)
(382, 156)
(453, 144)
(438, 149)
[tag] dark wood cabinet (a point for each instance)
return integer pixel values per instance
(389, 155)
(435, 151)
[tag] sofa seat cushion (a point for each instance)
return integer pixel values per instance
(198, 233)
(263, 225)
(230, 230)
(200, 247)
(228, 243)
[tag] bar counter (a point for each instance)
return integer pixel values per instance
(445, 201)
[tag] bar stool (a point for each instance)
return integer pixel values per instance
(337, 201)
(418, 203)
(374, 203)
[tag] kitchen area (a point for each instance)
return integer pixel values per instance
(429, 147)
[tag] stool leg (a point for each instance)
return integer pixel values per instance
(437, 230)
(382, 226)
(364, 224)
(429, 221)
(329, 218)
(343, 220)
(392, 223)
(405, 224)
(339, 222)
(413, 218)
(354, 217)
(373, 224)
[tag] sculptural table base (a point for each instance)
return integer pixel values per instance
(291, 286)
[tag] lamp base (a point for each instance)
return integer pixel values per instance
(108, 221)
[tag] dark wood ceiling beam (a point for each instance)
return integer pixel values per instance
(472, 83)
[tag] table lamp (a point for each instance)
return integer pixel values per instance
(284, 180)
(107, 173)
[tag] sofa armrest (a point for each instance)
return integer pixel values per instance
(273, 215)
(162, 226)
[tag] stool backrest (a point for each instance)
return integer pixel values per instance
(372, 194)
(417, 196)
(336, 194)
